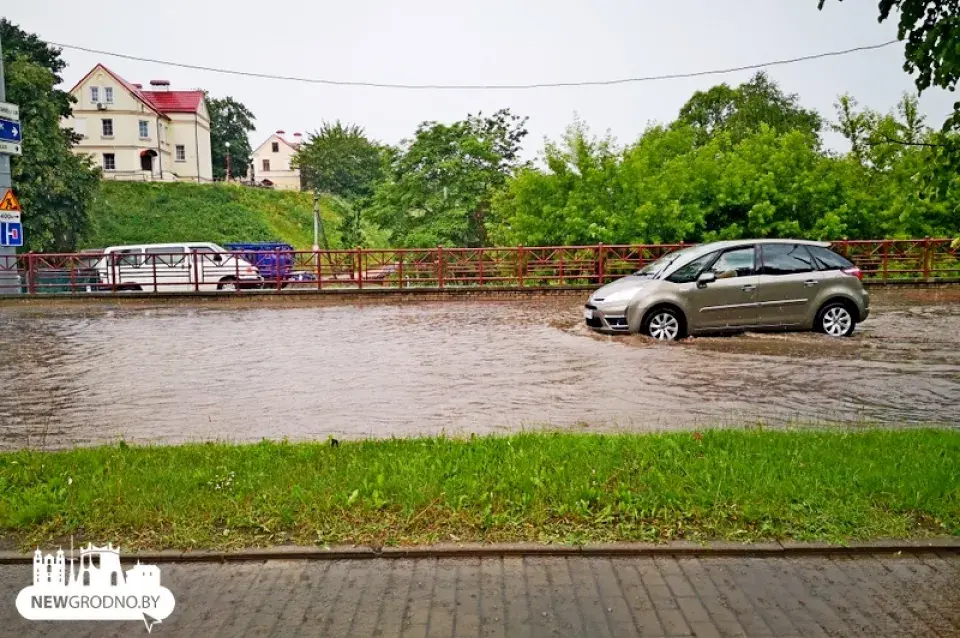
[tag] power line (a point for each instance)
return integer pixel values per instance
(483, 87)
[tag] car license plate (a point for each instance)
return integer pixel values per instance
(588, 314)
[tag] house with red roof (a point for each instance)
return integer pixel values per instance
(271, 162)
(133, 133)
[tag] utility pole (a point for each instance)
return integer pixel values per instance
(9, 281)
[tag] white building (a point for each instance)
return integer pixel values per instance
(138, 134)
(271, 162)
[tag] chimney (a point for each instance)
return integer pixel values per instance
(160, 85)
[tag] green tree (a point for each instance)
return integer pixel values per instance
(439, 186)
(340, 160)
(230, 122)
(55, 187)
(741, 111)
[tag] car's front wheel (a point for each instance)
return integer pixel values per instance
(227, 284)
(664, 324)
(836, 320)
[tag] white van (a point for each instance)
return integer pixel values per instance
(175, 267)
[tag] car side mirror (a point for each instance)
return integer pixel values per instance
(217, 258)
(706, 278)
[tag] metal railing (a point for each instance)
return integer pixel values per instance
(432, 268)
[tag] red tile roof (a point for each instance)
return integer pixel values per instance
(174, 101)
(159, 101)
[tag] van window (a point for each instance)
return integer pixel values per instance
(786, 259)
(165, 255)
(128, 256)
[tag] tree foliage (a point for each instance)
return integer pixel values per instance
(230, 122)
(438, 187)
(727, 176)
(741, 111)
(54, 186)
(339, 159)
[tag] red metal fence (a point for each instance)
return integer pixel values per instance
(433, 268)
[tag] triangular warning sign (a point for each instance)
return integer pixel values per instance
(9, 201)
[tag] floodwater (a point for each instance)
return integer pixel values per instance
(165, 373)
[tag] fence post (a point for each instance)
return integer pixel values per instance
(521, 266)
(31, 273)
(196, 272)
(601, 275)
(400, 270)
(440, 267)
(316, 255)
(113, 272)
(927, 258)
(886, 250)
(359, 260)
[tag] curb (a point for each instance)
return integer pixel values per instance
(479, 550)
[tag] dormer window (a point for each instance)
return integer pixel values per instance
(276, 147)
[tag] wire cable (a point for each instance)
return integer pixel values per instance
(480, 87)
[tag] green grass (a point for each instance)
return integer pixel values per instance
(735, 485)
(135, 213)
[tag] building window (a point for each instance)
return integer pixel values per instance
(109, 162)
(108, 94)
(181, 153)
(94, 94)
(266, 165)
(144, 129)
(276, 147)
(107, 127)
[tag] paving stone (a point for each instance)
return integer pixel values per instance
(910, 594)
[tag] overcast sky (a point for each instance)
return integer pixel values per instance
(488, 42)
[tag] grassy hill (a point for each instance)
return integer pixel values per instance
(137, 213)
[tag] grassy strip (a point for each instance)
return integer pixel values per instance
(737, 485)
(152, 212)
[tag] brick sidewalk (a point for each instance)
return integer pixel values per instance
(907, 595)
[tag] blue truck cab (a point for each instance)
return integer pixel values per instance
(270, 258)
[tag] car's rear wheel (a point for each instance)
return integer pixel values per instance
(836, 320)
(664, 324)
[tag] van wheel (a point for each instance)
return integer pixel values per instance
(664, 324)
(836, 320)
(229, 284)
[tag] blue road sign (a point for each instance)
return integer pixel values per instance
(10, 131)
(11, 234)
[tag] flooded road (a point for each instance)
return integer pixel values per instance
(175, 373)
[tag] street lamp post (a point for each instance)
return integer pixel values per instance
(227, 144)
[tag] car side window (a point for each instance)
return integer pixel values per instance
(828, 260)
(689, 272)
(786, 259)
(735, 263)
(128, 257)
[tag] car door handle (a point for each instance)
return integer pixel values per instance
(748, 288)
(810, 282)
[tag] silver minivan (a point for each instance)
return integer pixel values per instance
(785, 284)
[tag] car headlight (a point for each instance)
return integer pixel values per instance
(621, 296)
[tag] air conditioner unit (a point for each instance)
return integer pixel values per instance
(101, 106)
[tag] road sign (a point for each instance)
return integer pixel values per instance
(9, 201)
(10, 216)
(11, 135)
(9, 111)
(10, 130)
(11, 234)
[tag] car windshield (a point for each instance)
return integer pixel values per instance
(654, 268)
